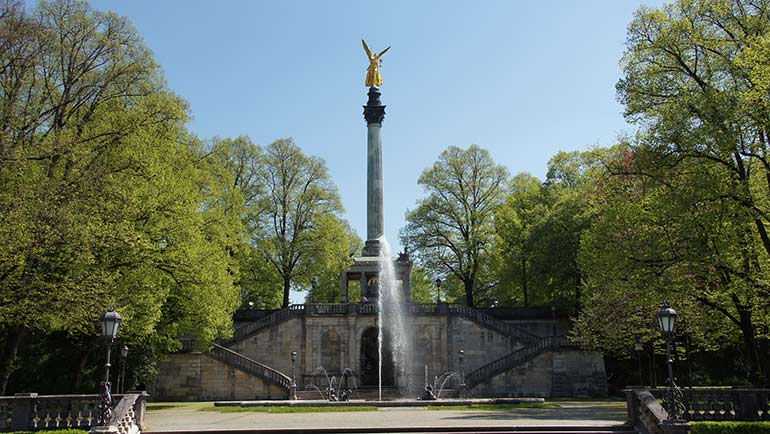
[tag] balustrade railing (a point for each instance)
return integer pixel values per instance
(737, 403)
(33, 412)
(516, 358)
(500, 326)
(299, 310)
(251, 366)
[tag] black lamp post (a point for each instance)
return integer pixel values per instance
(638, 347)
(672, 401)
(461, 360)
(110, 324)
(293, 383)
(438, 289)
(122, 379)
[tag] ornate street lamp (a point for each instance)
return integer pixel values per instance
(122, 379)
(672, 401)
(438, 289)
(293, 383)
(110, 323)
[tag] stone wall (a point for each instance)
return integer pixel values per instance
(566, 374)
(334, 343)
(198, 377)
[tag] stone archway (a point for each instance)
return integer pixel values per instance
(370, 359)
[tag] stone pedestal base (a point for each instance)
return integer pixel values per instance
(372, 248)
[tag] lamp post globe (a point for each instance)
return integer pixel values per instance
(666, 319)
(110, 324)
(438, 289)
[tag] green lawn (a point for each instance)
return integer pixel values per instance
(494, 407)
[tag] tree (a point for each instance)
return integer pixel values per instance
(538, 232)
(295, 199)
(451, 230)
(514, 221)
(694, 73)
(104, 197)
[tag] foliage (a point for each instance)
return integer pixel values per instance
(685, 214)
(296, 239)
(730, 427)
(105, 199)
(451, 230)
(295, 218)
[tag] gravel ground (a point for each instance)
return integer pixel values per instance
(168, 416)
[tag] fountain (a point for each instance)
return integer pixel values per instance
(391, 319)
(335, 390)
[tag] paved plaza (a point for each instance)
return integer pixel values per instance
(171, 417)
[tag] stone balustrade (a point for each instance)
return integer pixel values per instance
(699, 404)
(33, 412)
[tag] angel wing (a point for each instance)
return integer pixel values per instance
(383, 52)
(366, 48)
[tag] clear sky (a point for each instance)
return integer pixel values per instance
(523, 79)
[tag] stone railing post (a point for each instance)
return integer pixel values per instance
(632, 406)
(23, 411)
(674, 426)
(443, 308)
(140, 407)
(746, 404)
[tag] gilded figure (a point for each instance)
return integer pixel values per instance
(373, 77)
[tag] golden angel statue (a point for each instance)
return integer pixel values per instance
(373, 77)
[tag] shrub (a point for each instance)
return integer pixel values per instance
(730, 428)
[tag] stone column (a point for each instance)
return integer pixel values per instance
(345, 286)
(374, 113)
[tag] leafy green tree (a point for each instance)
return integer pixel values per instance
(451, 231)
(104, 197)
(514, 250)
(693, 77)
(340, 243)
(538, 232)
(295, 199)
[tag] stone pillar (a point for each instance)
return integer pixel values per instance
(345, 286)
(23, 411)
(364, 285)
(374, 113)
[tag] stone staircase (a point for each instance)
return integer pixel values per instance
(533, 345)
(251, 367)
(495, 324)
(517, 358)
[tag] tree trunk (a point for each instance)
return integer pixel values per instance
(756, 375)
(286, 288)
(468, 292)
(8, 358)
(83, 360)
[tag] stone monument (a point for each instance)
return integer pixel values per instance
(366, 267)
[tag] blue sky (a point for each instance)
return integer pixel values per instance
(522, 79)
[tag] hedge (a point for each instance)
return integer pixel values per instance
(730, 428)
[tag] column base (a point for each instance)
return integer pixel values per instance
(372, 248)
